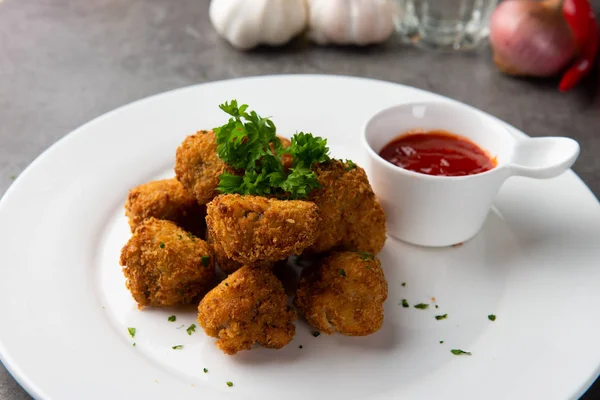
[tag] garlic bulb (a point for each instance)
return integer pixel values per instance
(350, 22)
(247, 23)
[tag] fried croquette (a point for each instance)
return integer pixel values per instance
(253, 229)
(351, 217)
(166, 266)
(165, 199)
(198, 167)
(225, 263)
(344, 293)
(286, 159)
(248, 307)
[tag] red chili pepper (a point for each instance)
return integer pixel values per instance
(582, 21)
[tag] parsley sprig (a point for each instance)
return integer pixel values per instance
(248, 143)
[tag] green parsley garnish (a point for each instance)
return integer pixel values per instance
(226, 284)
(492, 317)
(249, 142)
(131, 332)
(230, 384)
(403, 284)
(192, 328)
(458, 352)
(205, 261)
(180, 237)
(365, 255)
(316, 333)
(177, 347)
(368, 267)
(342, 272)
(438, 317)
(350, 165)
(441, 341)
(12, 177)
(172, 318)
(405, 303)
(422, 306)
(161, 245)
(133, 344)
(436, 306)
(205, 370)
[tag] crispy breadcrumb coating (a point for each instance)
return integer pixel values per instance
(225, 263)
(165, 199)
(344, 293)
(166, 266)
(351, 217)
(198, 167)
(248, 307)
(253, 229)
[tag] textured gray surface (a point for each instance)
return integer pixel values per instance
(63, 62)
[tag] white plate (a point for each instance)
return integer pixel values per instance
(65, 311)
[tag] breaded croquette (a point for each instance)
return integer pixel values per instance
(165, 199)
(286, 159)
(351, 217)
(166, 266)
(344, 293)
(225, 263)
(198, 167)
(253, 229)
(248, 307)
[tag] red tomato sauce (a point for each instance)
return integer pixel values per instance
(437, 152)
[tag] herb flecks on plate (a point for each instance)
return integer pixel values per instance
(458, 352)
(248, 143)
(422, 306)
(492, 317)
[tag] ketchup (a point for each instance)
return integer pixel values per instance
(437, 152)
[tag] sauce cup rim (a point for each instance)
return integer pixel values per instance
(396, 169)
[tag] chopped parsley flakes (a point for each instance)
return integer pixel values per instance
(438, 317)
(365, 255)
(205, 261)
(131, 332)
(422, 306)
(192, 328)
(172, 318)
(405, 303)
(403, 284)
(441, 341)
(316, 333)
(458, 352)
(492, 317)
(205, 370)
(230, 384)
(342, 272)
(350, 165)
(177, 347)
(161, 245)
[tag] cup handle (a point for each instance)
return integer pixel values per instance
(544, 157)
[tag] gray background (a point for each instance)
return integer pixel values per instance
(64, 62)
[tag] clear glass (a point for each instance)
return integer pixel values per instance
(444, 24)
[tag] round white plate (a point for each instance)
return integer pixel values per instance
(65, 311)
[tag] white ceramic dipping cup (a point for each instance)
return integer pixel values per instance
(439, 211)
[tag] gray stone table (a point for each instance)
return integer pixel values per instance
(64, 62)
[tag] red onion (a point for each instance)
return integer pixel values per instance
(531, 38)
